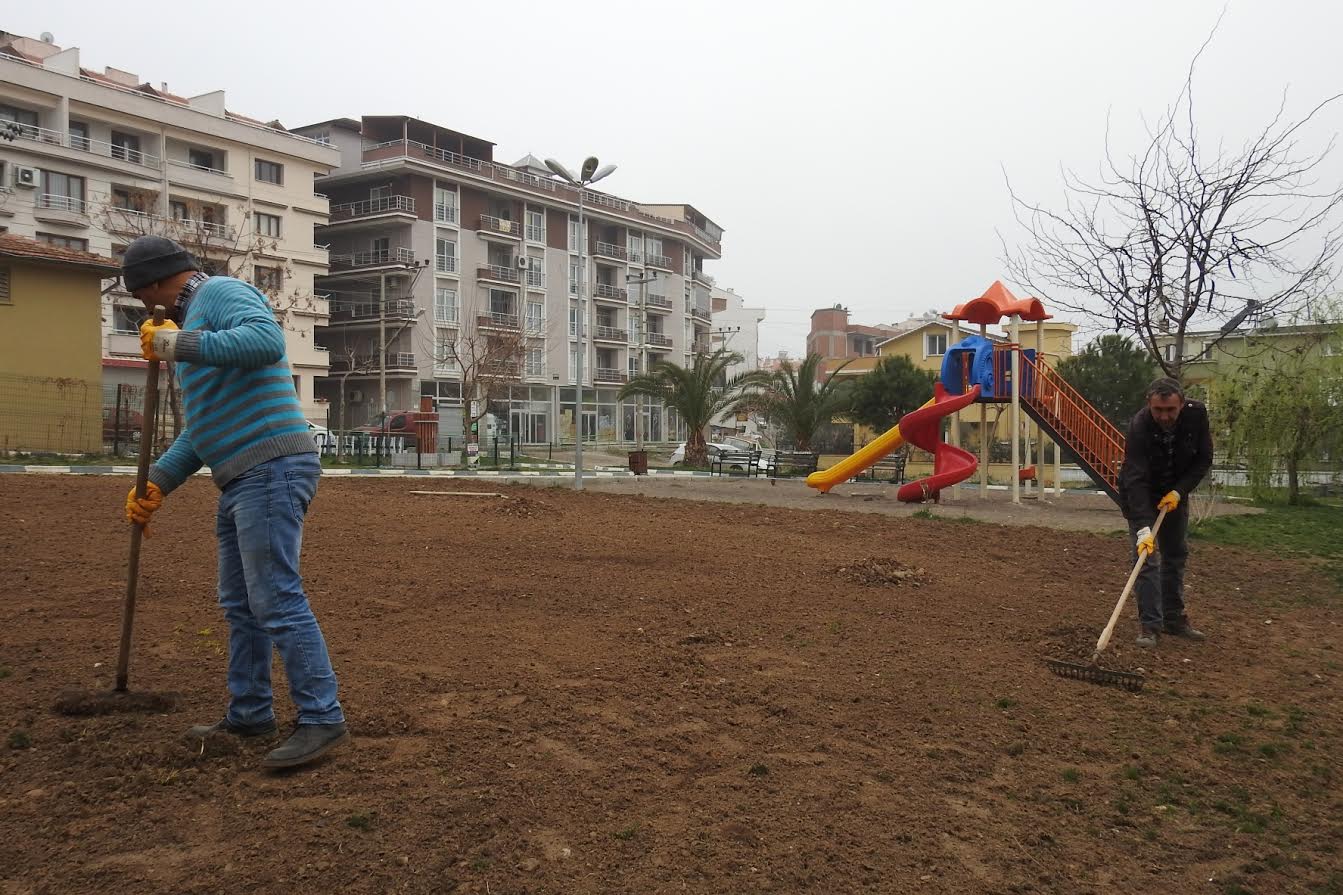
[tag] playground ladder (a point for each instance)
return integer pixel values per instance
(1073, 422)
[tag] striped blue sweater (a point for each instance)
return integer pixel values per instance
(237, 390)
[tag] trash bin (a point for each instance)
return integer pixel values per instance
(639, 462)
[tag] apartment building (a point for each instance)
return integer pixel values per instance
(90, 160)
(736, 328)
(437, 250)
(836, 340)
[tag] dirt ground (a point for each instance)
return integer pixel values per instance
(612, 692)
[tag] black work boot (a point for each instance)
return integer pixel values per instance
(201, 731)
(1147, 639)
(1181, 627)
(308, 743)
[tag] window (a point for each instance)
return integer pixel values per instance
(178, 210)
(501, 302)
(536, 364)
(203, 159)
(61, 191)
(635, 244)
(573, 275)
(381, 247)
(634, 365)
(4, 288)
(123, 198)
(269, 172)
(655, 250)
(1207, 351)
(24, 118)
(445, 256)
(445, 306)
(79, 135)
(573, 321)
(268, 279)
(126, 319)
(380, 192)
(536, 226)
(573, 364)
(535, 320)
(573, 234)
(126, 147)
(64, 242)
(536, 277)
(445, 206)
(934, 344)
(445, 352)
(1331, 349)
(267, 225)
(1168, 352)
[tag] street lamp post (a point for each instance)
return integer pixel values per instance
(587, 175)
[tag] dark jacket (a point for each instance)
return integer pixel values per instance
(1157, 462)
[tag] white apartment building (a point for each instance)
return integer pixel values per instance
(453, 246)
(736, 328)
(91, 160)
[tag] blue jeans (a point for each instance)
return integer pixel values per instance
(1160, 584)
(260, 530)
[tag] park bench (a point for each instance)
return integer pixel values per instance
(788, 463)
(745, 463)
(889, 469)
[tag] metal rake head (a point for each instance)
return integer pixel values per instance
(1126, 680)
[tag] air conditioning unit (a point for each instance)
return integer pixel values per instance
(26, 178)
(522, 262)
(356, 397)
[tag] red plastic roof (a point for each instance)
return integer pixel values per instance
(996, 303)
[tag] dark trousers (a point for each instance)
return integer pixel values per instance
(1160, 584)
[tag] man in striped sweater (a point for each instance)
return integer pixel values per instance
(243, 420)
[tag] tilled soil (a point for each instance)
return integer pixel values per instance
(603, 692)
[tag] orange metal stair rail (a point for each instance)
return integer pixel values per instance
(1086, 432)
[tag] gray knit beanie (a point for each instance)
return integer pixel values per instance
(152, 258)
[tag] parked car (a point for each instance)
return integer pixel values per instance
(322, 435)
(714, 448)
(131, 423)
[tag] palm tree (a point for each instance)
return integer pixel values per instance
(795, 400)
(699, 393)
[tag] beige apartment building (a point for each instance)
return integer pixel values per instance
(90, 160)
(435, 247)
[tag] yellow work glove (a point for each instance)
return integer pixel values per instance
(157, 342)
(1170, 502)
(1146, 542)
(139, 511)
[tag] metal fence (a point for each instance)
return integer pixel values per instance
(49, 414)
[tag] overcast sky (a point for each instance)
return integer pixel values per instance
(854, 152)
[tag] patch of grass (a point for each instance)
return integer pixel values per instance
(1303, 530)
(1005, 703)
(1296, 721)
(626, 834)
(481, 864)
(1258, 711)
(1016, 749)
(361, 821)
(1072, 775)
(1273, 750)
(1132, 772)
(923, 514)
(1229, 744)
(5, 671)
(1232, 888)
(758, 770)
(19, 739)
(967, 520)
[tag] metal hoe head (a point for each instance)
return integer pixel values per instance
(1126, 680)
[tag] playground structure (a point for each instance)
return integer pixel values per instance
(979, 370)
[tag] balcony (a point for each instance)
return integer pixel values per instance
(609, 293)
(378, 258)
(609, 250)
(499, 274)
(659, 303)
(660, 261)
(702, 346)
(84, 144)
(60, 209)
(510, 369)
(536, 234)
(445, 214)
(497, 320)
(700, 276)
(397, 362)
(658, 341)
(367, 312)
(493, 226)
(198, 176)
(383, 205)
(609, 334)
(606, 374)
(700, 312)
(445, 263)
(535, 279)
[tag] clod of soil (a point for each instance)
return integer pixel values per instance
(83, 703)
(1076, 643)
(882, 573)
(521, 507)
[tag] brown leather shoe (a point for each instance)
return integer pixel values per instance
(1181, 627)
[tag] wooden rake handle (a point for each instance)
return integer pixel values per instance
(1119, 607)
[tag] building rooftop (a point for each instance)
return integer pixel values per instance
(23, 248)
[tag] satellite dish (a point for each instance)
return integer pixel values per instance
(48, 37)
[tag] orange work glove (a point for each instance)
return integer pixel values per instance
(139, 511)
(157, 342)
(1169, 502)
(1146, 543)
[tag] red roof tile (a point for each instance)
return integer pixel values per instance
(14, 246)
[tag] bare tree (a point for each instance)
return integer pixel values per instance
(360, 356)
(1185, 234)
(487, 359)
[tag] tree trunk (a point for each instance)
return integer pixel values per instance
(1293, 486)
(696, 451)
(174, 400)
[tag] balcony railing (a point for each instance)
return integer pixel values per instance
(700, 276)
(701, 346)
(396, 309)
(445, 214)
(498, 320)
(609, 334)
(377, 258)
(206, 169)
(606, 374)
(445, 263)
(602, 290)
(85, 144)
(535, 326)
(369, 362)
(659, 303)
(393, 149)
(658, 340)
(535, 279)
(610, 250)
(500, 273)
(211, 229)
(662, 261)
(700, 311)
(61, 203)
(510, 368)
(345, 211)
(491, 224)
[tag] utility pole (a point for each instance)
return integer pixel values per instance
(641, 346)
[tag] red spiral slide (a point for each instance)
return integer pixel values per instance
(923, 428)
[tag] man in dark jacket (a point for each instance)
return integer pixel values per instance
(1168, 452)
